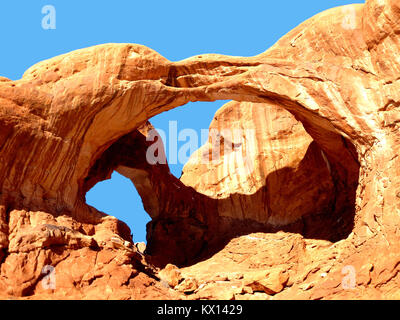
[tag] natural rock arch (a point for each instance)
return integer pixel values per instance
(335, 78)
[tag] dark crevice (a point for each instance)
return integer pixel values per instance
(172, 78)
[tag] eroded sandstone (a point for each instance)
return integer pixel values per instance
(71, 120)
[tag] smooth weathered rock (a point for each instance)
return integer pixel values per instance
(270, 283)
(171, 275)
(187, 286)
(271, 171)
(66, 124)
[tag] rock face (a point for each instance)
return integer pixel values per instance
(305, 204)
(276, 174)
(275, 177)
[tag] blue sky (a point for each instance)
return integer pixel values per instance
(176, 29)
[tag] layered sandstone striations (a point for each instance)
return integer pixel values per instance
(322, 197)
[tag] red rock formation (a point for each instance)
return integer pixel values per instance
(271, 170)
(65, 125)
(287, 180)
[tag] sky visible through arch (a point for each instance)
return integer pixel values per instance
(175, 29)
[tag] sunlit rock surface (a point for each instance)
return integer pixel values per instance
(317, 220)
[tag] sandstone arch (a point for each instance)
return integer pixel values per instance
(64, 113)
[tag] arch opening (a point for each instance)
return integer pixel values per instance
(308, 188)
(304, 181)
(117, 198)
(184, 130)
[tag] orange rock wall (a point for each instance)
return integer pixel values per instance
(337, 73)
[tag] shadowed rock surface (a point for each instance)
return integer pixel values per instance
(321, 198)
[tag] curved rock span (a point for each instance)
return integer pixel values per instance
(304, 204)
